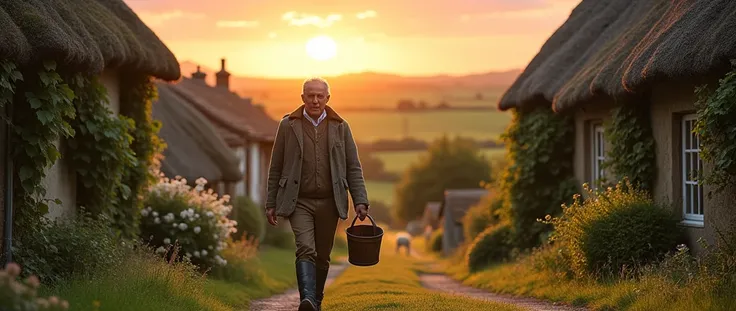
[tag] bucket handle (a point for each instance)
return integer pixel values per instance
(369, 217)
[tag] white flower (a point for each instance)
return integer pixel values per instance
(160, 250)
(169, 217)
(204, 252)
(210, 247)
(182, 226)
(210, 214)
(155, 214)
(196, 254)
(144, 212)
(157, 220)
(197, 229)
(167, 241)
(188, 255)
(176, 224)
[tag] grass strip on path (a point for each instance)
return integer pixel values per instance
(393, 284)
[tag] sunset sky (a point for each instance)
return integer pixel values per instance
(267, 38)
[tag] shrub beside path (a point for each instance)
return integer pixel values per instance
(289, 301)
(445, 284)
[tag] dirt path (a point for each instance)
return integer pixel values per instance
(289, 301)
(444, 283)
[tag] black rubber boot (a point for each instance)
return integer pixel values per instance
(321, 279)
(306, 277)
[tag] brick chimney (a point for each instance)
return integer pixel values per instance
(199, 75)
(223, 77)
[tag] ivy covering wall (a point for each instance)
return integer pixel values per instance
(100, 149)
(109, 154)
(716, 127)
(42, 108)
(138, 93)
(632, 153)
(539, 175)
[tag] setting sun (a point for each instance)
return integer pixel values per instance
(321, 48)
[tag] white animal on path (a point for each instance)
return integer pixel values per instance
(403, 240)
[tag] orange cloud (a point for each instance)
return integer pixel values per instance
(301, 19)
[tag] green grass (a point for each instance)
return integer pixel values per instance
(143, 281)
(394, 285)
(651, 292)
(151, 284)
(271, 272)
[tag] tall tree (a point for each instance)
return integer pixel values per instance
(449, 164)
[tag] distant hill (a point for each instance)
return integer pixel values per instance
(362, 80)
(373, 90)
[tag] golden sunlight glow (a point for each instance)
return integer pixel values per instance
(321, 48)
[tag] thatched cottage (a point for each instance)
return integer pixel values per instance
(456, 203)
(246, 128)
(194, 147)
(102, 37)
(638, 52)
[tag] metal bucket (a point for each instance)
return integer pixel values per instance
(364, 243)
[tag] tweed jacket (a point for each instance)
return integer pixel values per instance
(285, 170)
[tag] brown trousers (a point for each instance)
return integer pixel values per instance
(314, 222)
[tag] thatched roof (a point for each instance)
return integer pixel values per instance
(195, 148)
(458, 201)
(618, 47)
(236, 117)
(86, 34)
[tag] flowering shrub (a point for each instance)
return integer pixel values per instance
(192, 218)
(21, 296)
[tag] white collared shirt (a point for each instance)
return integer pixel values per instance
(319, 120)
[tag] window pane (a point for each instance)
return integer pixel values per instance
(692, 199)
(686, 198)
(686, 169)
(686, 134)
(700, 199)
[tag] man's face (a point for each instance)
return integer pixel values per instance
(315, 98)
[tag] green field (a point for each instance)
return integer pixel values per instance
(380, 191)
(478, 124)
(398, 162)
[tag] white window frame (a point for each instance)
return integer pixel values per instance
(692, 190)
(597, 153)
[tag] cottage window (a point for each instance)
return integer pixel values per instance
(598, 153)
(692, 190)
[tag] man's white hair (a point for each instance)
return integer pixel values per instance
(316, 79)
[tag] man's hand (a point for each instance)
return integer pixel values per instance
(271, 216)
(361, 210)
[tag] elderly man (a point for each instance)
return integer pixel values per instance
(314, 163)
